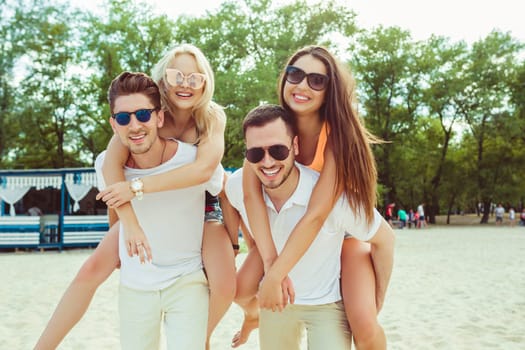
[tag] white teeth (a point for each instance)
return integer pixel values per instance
(184, 94)
(301, 97)
(136, 137)
(270, 173)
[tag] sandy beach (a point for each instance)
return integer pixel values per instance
(451, 288)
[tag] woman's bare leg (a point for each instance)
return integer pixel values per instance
(248, 278)
(219, 262)
(358, 287)
(75, 301)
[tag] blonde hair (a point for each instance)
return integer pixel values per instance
(205, 112)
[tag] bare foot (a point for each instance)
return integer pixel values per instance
(242, 336)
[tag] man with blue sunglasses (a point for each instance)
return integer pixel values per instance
(170, 288)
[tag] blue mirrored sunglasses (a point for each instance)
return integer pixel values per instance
(142, 115)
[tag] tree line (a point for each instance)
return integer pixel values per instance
(452, 114)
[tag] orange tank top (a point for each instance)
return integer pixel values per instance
(318, 162)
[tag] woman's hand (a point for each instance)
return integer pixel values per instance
(117, 194)
(137, 243)
(274, 295)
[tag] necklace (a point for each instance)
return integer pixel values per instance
(163, 149)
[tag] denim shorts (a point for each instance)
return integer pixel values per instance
(212, 211)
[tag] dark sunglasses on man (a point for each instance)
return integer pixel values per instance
(316, 81)
(142, 115)
(277, 152)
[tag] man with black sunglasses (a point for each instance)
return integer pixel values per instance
(171, 287)
(315, 303)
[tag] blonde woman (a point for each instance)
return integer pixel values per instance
(186, 83)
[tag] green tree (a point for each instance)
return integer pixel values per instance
(444, 81)
(385, 62)
(117, 41)
(11, 49)
(47, 94)
(456, 193)
(486, 106)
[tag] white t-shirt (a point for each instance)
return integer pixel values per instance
(172, 221)
(316, 275)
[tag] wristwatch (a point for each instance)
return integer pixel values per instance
(137, 187)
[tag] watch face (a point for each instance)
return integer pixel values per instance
(136, 185)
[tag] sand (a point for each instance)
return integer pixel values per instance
(451, 288)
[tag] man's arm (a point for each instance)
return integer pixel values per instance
(382, 259)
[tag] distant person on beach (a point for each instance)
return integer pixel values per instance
(499, 212)
(512, 217)
(186, 83)
(170, 288)
(311, 297)
(421, 221)
(411, 218)
(522, 217)
(402, 217)
(389, 214)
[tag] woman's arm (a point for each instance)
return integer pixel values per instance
(304, 233)
(209, 155)
(259, 224)
(112, 169)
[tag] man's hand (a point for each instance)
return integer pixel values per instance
(117, 194)
(274, 294)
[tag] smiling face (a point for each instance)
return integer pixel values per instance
(301, 98)
(137, 136)
(183, 96)
(271, 172)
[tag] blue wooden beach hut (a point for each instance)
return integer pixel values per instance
(62, 227)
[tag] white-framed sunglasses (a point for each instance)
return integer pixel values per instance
(175, 77)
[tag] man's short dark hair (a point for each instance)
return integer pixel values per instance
(127, 83)
(264, 114)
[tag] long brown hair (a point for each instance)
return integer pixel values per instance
(350, 140)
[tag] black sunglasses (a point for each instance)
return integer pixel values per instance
(317, 81)
(142, 115)
(277, 152)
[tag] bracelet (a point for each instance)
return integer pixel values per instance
(236, 246)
